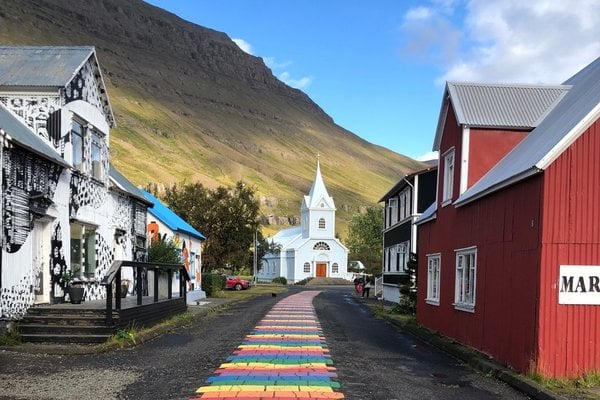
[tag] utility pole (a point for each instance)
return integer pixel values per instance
(255, 259)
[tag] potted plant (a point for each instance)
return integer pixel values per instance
(73, 287)
(125, 287)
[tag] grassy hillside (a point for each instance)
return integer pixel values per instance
(191, 106)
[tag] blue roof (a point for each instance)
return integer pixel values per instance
(170, 219)
(22, 135)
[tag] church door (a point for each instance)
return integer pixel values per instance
(321, 270)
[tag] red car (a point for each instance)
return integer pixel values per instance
(233, 282)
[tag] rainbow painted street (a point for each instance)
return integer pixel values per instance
(285, 357)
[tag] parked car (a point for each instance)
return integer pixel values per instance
(233, 282)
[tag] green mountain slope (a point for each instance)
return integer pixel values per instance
(191, 106)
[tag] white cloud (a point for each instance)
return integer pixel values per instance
(300, 83)
(431, 155)
(279, 68)
(274, 64)
(245, 46)
(537, 41)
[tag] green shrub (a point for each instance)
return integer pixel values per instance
(281, 280)
(212, 283)
(303, 281)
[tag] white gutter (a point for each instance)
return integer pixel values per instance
(2, 140)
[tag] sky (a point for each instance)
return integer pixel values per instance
(379, 67)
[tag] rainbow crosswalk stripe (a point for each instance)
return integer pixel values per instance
(284, 357)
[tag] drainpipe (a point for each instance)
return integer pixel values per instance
(3, 139)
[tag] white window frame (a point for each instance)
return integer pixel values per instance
(96, 140)
(402, 254)
(405, 204)
(335, 268)
(392, 214)
(466, 279)
(322, 223)
(434, 269)
(78, 145)
(307, 268)
(449, 170)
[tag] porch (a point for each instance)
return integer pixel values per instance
(94, 321)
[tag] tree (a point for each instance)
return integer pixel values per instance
(228, 217)
(365, 240)
(163, 250)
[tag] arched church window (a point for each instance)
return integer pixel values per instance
(335, 268)
(321, 246)
(321, 223)
(306, 268)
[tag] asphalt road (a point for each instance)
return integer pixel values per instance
(374, 361)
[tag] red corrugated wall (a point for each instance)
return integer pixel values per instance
(487, 147)
(505, 228)
(569, 335)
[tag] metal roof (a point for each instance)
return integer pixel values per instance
(126, 186)
(170, 219)
(492, 105)
(22, 135)
(579, 108)
(41, 65)
(403, 181)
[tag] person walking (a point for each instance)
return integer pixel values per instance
(366, 288)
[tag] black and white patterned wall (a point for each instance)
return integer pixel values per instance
(28, 187)
(87, 86)
(85, 191)
(34, 110)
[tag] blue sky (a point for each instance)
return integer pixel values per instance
(378, 67)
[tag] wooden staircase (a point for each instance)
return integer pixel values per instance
(66, 325)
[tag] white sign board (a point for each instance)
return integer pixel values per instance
(579, 284)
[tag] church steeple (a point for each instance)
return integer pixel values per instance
(318, 196)
(318, 210)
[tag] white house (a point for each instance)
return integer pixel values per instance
(63, 208)
(162, 221)
(311, 249)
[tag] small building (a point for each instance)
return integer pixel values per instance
(509, 254)
(311, 249)
(163, 222)
(403, 204)
(64, 208)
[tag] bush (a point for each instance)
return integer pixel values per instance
(281, 280)
(303, 281)
(212, 283)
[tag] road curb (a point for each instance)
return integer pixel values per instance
(478, 361)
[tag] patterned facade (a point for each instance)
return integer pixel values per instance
(60, 216)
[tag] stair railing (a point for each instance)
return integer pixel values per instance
(114, 276)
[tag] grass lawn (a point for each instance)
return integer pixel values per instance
(253, 291)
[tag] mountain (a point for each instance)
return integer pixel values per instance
(192, 106)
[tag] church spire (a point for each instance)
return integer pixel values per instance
(318, 191)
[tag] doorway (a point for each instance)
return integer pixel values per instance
(321, 270)
(40, 242)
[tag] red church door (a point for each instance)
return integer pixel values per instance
(321, 270)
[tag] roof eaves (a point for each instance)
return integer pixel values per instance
(569, 138)
(428, 215)
(471, 196)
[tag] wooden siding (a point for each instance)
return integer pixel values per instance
(569, 342)
(506, 231)
(451, 138)
(487, 147)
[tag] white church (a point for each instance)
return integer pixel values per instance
(311, 249)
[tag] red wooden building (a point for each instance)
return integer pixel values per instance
(509, 254)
